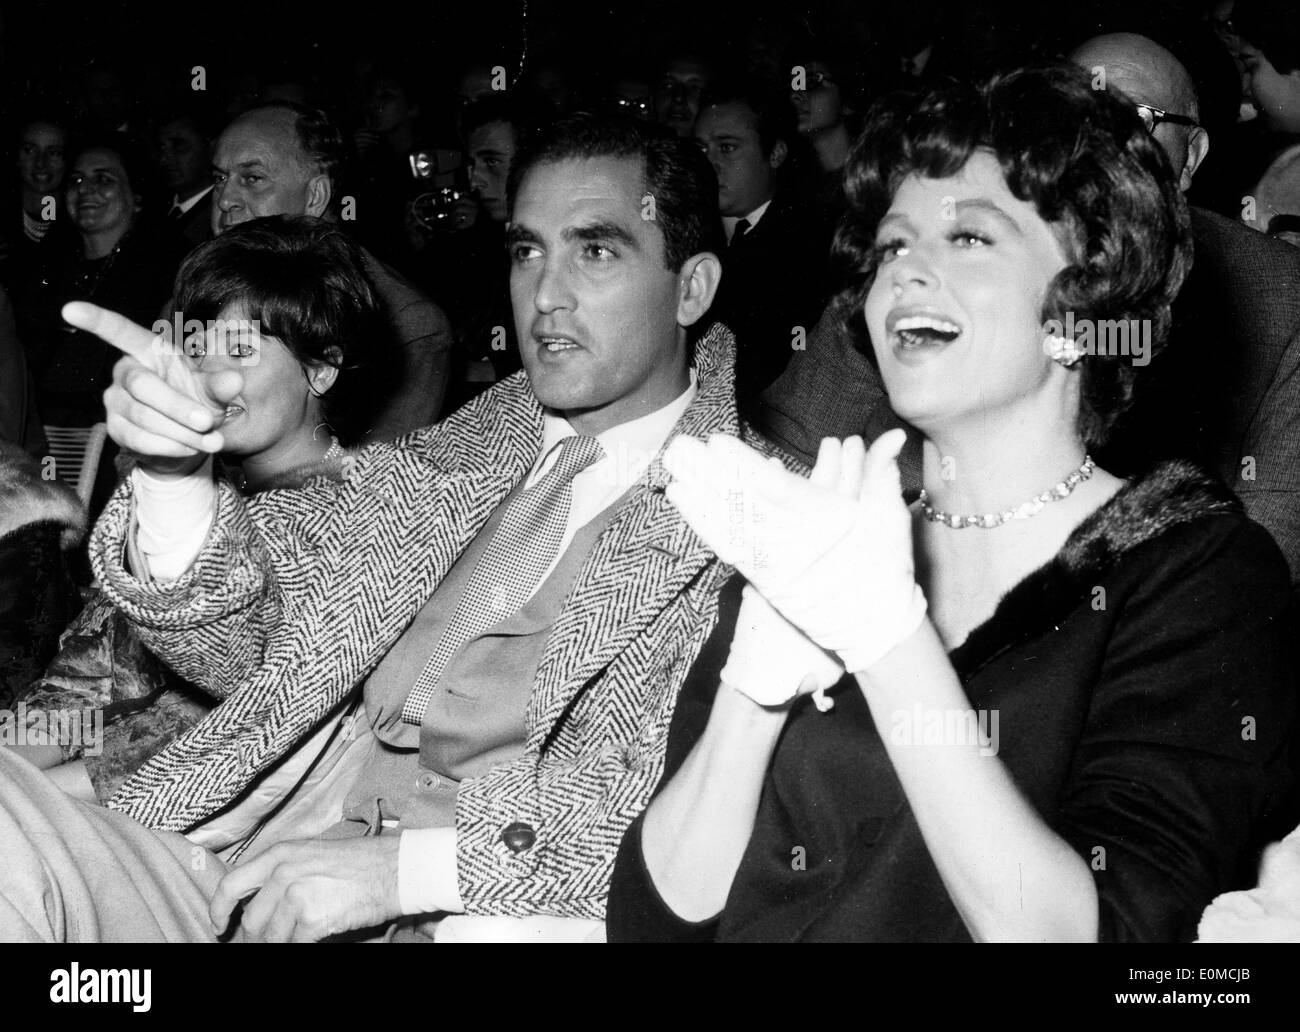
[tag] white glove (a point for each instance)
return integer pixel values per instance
(833, 554)
(772, 661)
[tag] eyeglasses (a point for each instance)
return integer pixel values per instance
(1153, 116)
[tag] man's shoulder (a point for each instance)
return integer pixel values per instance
(752, 437)
(1246, 257)
(397, 293)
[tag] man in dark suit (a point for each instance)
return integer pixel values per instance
(185, 157)
(774, 267)
(1224, 392)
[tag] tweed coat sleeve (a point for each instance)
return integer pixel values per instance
(212, 624)
(581, 786)
(648, 624)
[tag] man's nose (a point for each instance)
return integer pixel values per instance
(553, 290)
(477, 180)
(227, 197)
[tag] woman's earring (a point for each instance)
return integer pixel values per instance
(1062, 350)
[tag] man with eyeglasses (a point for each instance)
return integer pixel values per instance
(1161, 89)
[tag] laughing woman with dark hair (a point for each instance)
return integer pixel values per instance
(1070, 695)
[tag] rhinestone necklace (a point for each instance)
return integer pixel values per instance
(1021, 512)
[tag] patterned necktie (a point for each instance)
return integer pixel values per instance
(510, 569)
(741, 228)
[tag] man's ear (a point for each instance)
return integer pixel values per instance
(319, 192)
(697, 285)
(1198, 145)
(777, 158)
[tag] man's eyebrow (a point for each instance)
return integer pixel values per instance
(605, 230)
(521, 235)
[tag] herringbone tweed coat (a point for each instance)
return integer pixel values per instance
(298, 594)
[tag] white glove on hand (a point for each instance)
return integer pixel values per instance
(772, 661)
(833, 554)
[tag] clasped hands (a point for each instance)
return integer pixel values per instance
(828, 558)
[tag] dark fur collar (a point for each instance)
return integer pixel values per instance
(1170, 494)
(27, 499)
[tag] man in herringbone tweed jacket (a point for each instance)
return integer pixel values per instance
(296, 598)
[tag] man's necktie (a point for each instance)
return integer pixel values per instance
(175, 213)
(510, 569)
(741, 228)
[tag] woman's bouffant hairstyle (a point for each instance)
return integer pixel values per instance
(302, 279)
(1082, 158)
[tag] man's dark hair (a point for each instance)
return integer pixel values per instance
(774, 116)
(677, 176)
(303, 281)
(318, 137)
(512, 109)
(200, 117)
(1082, 158)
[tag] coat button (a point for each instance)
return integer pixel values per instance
(518, 836)
(427, 781)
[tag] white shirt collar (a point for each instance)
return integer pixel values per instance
(185, 206)
(729, 222)
(629, 447)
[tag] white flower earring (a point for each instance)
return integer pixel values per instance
(1062, 350)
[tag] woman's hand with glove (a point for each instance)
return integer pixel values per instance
(832, 553)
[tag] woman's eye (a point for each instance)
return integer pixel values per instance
(888, 250)
(965, 239)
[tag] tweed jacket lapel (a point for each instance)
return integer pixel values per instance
(644, 559)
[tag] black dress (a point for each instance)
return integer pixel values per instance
(1144, 690)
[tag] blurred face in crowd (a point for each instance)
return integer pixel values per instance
(632, 97)
(677, 94)
(259, 169)
(1147, 73)
(41, 157)
(491, 150)
(598, 313)
(475, 84)
(728, 135)
(819, 105)
(1276, 94)
(390, 107)
(184, 157)
(275, 402)
(955, 309)
(99, 196)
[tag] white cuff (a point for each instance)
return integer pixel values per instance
(173, 516)
(426, 871)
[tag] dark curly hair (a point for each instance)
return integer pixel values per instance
(303, 281)
(1082, 158)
